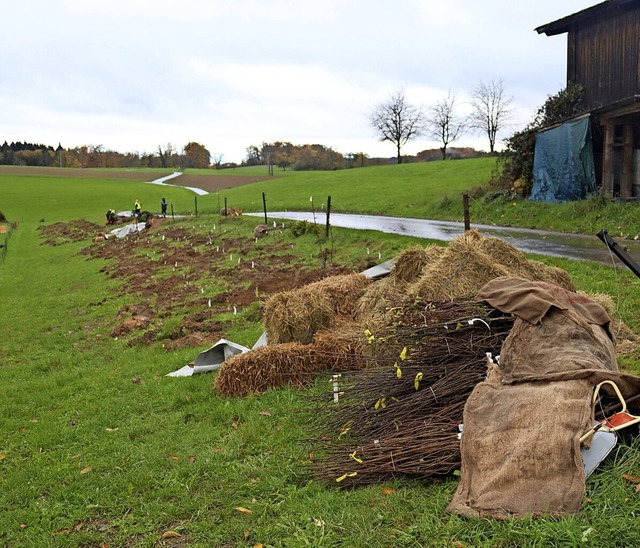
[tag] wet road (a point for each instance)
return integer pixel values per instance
(557, 244)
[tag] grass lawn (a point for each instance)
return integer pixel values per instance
(100, 448)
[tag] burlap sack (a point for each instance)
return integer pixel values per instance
(520, 446)
(521, 450)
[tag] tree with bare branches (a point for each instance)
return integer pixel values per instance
(491, 109)
(443, 123)
(397, 121)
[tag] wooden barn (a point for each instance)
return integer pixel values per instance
(603, 55)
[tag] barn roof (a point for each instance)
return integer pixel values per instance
(564, 25)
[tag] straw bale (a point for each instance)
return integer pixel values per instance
(295, 315)
(519, 266)
(471, 260)
(462, 270)
(505, 254)
(292, 363)
(341, 349)
(551, 274)
(263, 368)
(374, 305)
(344, 291)
(410, 263)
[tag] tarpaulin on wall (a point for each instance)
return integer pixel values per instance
(563, 163)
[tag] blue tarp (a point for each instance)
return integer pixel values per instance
(563, 163)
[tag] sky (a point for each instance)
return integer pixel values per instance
(133, 75)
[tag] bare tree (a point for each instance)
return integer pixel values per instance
(444, 124)
(397, 121)
(491, 109)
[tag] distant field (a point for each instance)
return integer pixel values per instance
(79, 173)
(215, 183)
(209, 180)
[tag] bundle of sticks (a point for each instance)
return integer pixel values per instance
(403, 415)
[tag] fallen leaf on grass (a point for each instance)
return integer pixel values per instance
(85, 470)
(244, 511)
(135, 380)
(112, 429)
(192, 459)
(387, 490)
(170, 534)
(23, 526)
(2, 457)
(246, 534)
(235, 424)
(62, 532)
(173, 457)
(637, 489)
(265, 413)
(259, 545)
(78, 526)
(630, 478)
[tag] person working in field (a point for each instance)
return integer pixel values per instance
(136, 209)
(163, 206)
(111, 216)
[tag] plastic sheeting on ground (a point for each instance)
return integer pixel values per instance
(210, 359)
(124, 231)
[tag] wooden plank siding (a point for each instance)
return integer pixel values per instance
(604, 57)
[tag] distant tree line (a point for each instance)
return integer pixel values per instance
(193, 155)
(298, 157)
(280, 154)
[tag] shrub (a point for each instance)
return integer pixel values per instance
(516, 161)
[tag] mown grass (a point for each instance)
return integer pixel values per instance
(98, 446)
(425, 191)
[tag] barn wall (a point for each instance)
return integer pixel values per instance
(603, 56)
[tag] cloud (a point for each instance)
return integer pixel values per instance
(134, 74)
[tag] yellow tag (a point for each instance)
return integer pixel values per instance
(345, 476)
(416, 383)
(381, 403)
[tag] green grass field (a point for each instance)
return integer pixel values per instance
(99, 448)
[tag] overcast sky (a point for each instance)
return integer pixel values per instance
(131, 75)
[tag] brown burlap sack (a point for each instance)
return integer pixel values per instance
(521, 449)
(520, 446)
